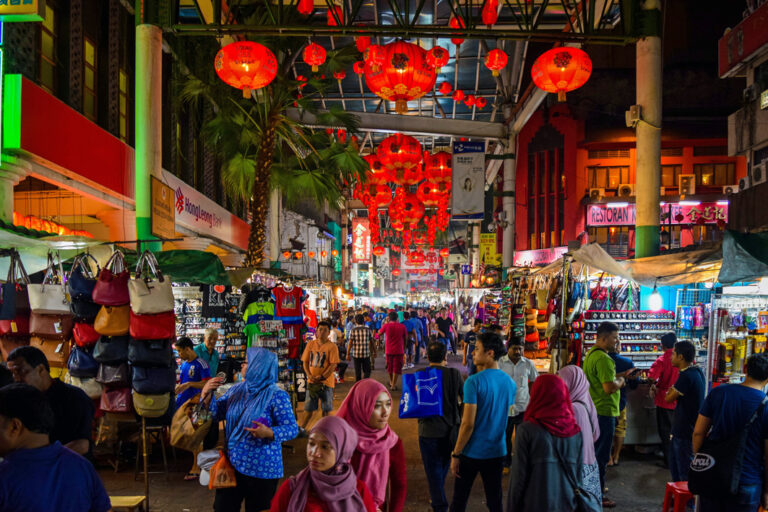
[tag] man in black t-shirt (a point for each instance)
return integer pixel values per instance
(72, 409)
(470, 337)
(688, 390)
(446, 332)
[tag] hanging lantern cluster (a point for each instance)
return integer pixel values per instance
(246, 65)
(35, 223)
(561, 70)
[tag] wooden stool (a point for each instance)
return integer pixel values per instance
(128, 503)
(676, 495)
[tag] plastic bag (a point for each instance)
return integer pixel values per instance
(222, 474)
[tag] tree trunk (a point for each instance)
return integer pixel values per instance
(257, 239)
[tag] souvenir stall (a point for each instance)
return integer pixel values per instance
(469, 306)
(319, 303)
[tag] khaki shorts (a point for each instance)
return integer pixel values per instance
(621, 424)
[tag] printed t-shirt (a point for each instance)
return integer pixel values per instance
(50, 478)
(494, 393)
(319, 357)
(690, 384)
(395, 343)
(192, 371)
(254, 313)
(212, 359)
(444, 324)
(730, 407)
(288, 304)
(72, 412)
(599, 368)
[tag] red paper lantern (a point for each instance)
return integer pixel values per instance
(437, 57)
(287, 255)
(481, 102)
(495, 61)
(334, 253)
(377, 172)
(444, 252)
(359, 67)
(375, 56)
(246, 65)
(441, 271)
(437, 167)
(403, 75)
(362, 43)
(340, 75)
(429, 194)
(561, 70)
(490, 12)
(399, 151)
(412, 211)
(323, 254)
(396, 272)
(305, 7)
(380, 195)
(458, 95)
(311, 254)
(456, 23)
(470, 100)
(335, 16)
(298, 255)
(314, 55)
(379, 251)
(445, 88)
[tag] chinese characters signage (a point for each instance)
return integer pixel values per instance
(468, 180)
(22, 10)
(539, 257)
(488, 252)
(607, 215)
(361, 240)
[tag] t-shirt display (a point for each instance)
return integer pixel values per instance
(288, 303)
(494, 393)
(690, 384)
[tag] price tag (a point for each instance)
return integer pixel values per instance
(59, 347)
(57, 327)
(14, 328)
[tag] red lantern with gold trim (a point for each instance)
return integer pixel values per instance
(340, 75)
(457, 23)
(470, 100)
(334, 253)
(437, 167)
(399, 151)
(362, 43)
(495, 61)
(396, 272)
(246, 65)
(323, 254)
(458, 95)
(298, 255)
(375, 56)
(402, 76)
(445, 88)
(444, 252)
(481, 102)
(377, 172)
(561, 70)
(438, 57)
(287, 255)
(314, 55)
(311, 255)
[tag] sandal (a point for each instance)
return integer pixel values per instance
(608, 503)
(191, 476)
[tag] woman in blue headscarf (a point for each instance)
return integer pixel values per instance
(259, 417)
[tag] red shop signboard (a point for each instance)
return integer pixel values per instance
(361, 241)
(624, 215)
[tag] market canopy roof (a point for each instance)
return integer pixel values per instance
(186, 266)
(745, 257)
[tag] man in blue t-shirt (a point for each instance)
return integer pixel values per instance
(35, 475)
(481, 445)
(688, 391)
(726, 410)
(193, 374)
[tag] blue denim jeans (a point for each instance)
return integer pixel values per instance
(604, 443)
(436, 456)
(680, 456)
(747, 500)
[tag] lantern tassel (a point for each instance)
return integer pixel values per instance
(246, 92)
(401, 106)
(561, 96)
(495, 72)
(315, 69)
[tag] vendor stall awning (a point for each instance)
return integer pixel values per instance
(186, 266)
(745, 257)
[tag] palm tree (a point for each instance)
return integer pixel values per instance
(262, 148)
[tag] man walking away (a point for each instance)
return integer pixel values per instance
(437, 434)
(359, 348)
(523, 372)
(394, 345)
(319, 358)
(688, 391)
(468, 346)
(481, 448)
(724, 414)
(604, 386)
(664, 375)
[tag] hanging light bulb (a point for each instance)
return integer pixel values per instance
(655, 302)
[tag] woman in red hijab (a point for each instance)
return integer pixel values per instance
(546, 466)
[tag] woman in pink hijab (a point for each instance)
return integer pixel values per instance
(329, 483)
(379, 458)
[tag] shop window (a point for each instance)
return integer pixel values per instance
(609, 178)
(47, 51)
(123, 85)
(672, 152)
(546, 188)
(615, 239)
(669, 175)
(714, 175)
(710, 151)
(89, 82)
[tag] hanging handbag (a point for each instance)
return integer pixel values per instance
(15, 298)
(55, 327)
(19, 326)
(84, 310)
(153, 381)
(716, 468)
(50, 298)
(152, 327)
(8, 344)
(111, 288)
(81, 281)
(112, 320)
(150, 295)
(91, 388)
(56, 351)
(113, 376)
(422, 394)
(85, 335)
(584, 501)
(151, 406)
(151, 353)
(81, 363)
(111, 349)
(116, 400)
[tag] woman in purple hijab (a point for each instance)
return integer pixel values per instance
(328, 483)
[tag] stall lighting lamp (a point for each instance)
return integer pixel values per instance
(723, 203)
(618, 205)
(655, 302)
(689, 203)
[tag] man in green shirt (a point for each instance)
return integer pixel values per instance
(604, 386)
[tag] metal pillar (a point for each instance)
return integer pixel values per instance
(648, 132)
(508, 198)
(148, 123)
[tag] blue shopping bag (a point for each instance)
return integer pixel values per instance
(422, 394)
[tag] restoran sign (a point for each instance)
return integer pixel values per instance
(624, 215)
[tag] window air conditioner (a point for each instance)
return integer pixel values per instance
(596, 194)
(686, 184)
(744, 183)
(626, 190)
(730, 189)
(757, 174)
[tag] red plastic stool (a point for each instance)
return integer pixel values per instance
(676, 495)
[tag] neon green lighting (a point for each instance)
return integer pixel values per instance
(11, 112)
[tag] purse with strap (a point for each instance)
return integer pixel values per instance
(81, 281)
(715, 470)
(55, 327)
(50, 298)
(112, 320)
(151, 406)
(84, 310)
(56, 351)
(18, 327)
(113, 376)
(111, 288)
(152, 327)
(116, 400)
(584, 501)
(81, 363)
(151, 294)
(15, 298)
(111, 349)
(153, 381)
(150, 353)
(85, 335)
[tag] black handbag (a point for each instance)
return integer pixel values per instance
(153, 381)
(81, 281)
(14, 300)
(150, 353)
(715, 470)
(81, 363)
(83, 310)
(113, 376)
(111, 349)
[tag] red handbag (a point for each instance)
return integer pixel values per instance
(85, 335)
(19, 326)
(153, 327)
(116, 400)
(111, 288)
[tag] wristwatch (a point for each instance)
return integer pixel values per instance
(456, 455)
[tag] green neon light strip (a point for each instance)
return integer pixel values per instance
(11, 113)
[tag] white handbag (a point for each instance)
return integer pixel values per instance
(151, 294)
(50, 298)
(91, 388)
